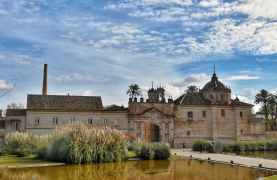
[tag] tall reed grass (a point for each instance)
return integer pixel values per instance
(73, 144)
(76, 144)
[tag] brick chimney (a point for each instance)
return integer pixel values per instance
(44, 88)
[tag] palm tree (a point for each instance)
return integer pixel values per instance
(191, 88)
(133, 90)
(264, 97)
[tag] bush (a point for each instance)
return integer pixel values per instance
(155, 151)
(269, 145)
(160, 153)
(136, 146)
(147, 152)
(196, 145)
(23, 153)
(3, 153)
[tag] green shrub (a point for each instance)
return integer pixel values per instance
(41, 151)
(23, 153)
(3, 153)
(160, 153)
(155, 151)
(136, 146)
(196, 145)
(269, 145)
(147, 152)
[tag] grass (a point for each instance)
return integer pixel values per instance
(271, 178)
(14, 160)
(178, 156)
(132, 154)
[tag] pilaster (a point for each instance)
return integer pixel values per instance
(214, 123)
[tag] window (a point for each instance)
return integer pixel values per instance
(15, 127)
(55, 120)
(222, 97)
(72, 120)
(190, 114)
(116, 121)
(105, 121)
(222, 112)
(211, 97)
(90, 121)
(36, 120)
(203, 113)
(240, 113)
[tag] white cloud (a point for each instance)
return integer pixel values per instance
(191, 79)
(2, 11)
(244, 71)
(249, 101)
(209, 3)
(76, 77)
(5, 86)
(87, 93)
(172, 91)
(27, 20)
(242, 78)
(249, 92)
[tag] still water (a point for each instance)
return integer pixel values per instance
(142, 169)
(263, 154)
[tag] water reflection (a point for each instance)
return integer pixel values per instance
(155, 169)
(264, 154)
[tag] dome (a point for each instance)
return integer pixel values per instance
(215, 84)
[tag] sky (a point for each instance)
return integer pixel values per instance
(99, 48)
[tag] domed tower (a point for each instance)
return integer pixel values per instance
(216, 91)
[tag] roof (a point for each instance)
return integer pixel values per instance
(234, 102)
(115, 108)
(192, 98)
(64, 102)
(215, 84)
(16, 112)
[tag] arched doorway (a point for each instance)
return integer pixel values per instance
(152, 132)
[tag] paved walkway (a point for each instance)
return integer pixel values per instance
(244, 161)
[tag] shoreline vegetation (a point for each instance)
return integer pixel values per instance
(268, 145)
(77, 144)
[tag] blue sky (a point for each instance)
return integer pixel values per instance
(101, 47)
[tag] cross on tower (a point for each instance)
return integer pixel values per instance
(214, 68)
(152, 83)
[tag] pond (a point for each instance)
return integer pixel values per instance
(142, 169)
(263, 154)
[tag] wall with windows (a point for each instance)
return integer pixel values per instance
(44, 122)
(199, 125)
(9, 124)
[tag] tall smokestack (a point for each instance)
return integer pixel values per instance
(44, 88)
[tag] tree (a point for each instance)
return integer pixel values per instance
(264, 97)
(133, 90)
(191, 88)
(8, 91)
(15, 106)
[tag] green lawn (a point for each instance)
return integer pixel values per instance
(178, 156)
(13, 160)
(132, 154)
(271, 178)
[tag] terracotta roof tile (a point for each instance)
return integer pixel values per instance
(64, 102)
(16, 112)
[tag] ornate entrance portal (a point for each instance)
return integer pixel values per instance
(152, 132)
